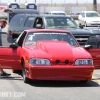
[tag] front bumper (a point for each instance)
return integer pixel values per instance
(93, 23)
(60, 72)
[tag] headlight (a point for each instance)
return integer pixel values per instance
(84, 62)
(36, 61)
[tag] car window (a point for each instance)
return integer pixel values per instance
(17, 20)
(5, 39)
(29, 22)
(38, 21)
(20, 39)
(83, 14)
(33, 38)
(92, 14)
(94, 40)
(60, 22)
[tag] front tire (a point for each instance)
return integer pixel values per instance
(25, 79)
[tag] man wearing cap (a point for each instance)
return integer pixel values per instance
(3, 24)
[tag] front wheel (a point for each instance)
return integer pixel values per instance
(25, 79)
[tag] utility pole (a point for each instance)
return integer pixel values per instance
(95, 5)
(35, 1)
(51, 2)
(15, 0)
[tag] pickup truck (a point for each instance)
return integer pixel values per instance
(21, 22)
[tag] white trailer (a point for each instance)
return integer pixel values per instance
(55, 10)
(77, 10)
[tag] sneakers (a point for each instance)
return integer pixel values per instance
(5, 74)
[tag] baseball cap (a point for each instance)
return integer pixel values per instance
(3, 20)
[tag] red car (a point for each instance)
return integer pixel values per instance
(46, 54)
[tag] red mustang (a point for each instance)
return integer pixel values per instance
(46, 54)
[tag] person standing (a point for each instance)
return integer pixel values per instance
(3, 24)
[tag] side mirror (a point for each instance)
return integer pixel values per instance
(81, 26)
(88, 46)
(14, 45)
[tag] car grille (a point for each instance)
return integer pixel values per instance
(82, 39)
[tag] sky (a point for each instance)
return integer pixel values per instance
(53, 1)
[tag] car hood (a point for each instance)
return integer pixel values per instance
(93, 19)
(79, 31)
(93, 29)
(56, 50)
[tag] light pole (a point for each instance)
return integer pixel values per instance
(35, 1)
(95, 5)
(51, 2)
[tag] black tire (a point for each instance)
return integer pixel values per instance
(79, 24)
(25, 79)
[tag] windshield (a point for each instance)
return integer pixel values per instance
(61, 22)
(92, 14)
(32, 38)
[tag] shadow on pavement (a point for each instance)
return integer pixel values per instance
(10, 78)
(44, 83)
(63, 84)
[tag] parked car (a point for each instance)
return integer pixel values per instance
(89, 18)
(46, 54)
(20, 22)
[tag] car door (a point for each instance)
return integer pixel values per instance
(9, 57)
(94, 41)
